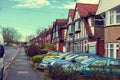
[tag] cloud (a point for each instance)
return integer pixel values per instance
(88, 1)
(71, 5)
(31, 3)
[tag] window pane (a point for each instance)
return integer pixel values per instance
(117, 53)
(118, 18)
(80, 58)
(106, 18)
(111, 53)
(111, 45)
(111, 17)
(118, 11)
(99, 22)
(99, 63)
(114, 63)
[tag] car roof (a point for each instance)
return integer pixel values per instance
(107, 58)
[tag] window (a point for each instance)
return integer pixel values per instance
(72, 28)
(80, 58)
(107, 18)
(99, 63)
(114, 63)
(111, 45)
(113, 17)
(98, 21)
(117, 46)
(76, 26)
(111, 53)
(56, 34)
(118, 16)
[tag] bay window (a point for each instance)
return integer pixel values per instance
(118, 16)
(113, 17)
(112, 50)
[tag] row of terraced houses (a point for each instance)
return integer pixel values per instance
(91, 28)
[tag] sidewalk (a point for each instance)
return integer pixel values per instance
(21, 69)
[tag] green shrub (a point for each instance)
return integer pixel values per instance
(37, 58)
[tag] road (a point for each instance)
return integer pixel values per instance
(19, 67)
(9, 55)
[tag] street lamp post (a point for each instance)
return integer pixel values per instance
(118, 39)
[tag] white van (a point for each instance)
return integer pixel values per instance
(1, 56)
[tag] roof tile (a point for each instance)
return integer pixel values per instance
(85, 9)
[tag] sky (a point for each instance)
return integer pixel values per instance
(26, 16)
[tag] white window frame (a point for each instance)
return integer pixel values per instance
(115, 48)
(114, 19)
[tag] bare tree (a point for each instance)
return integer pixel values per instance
(10, 35)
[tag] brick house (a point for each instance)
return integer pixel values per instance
(49, 35)
(42, 38)
(87, 29)
(110, 10)
(59, 34)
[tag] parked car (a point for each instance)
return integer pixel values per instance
(50, 61)
(80, 56)
(47, 53)
(110, 66)
(52, 54)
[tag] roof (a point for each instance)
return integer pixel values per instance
(61, 22)
(71, 13)
(105, 5)
(85, 9)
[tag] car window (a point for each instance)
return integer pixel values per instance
(80, 58)
(53, 54)
(99, 62)
(114, 63)
(59, 54)
(67, 56)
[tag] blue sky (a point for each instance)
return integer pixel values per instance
(29, 15)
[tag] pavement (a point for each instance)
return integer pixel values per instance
(21, 69)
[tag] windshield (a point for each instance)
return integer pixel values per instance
(80, 58)
(87, 61)
(67, 56)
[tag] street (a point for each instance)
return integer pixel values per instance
(18, 67)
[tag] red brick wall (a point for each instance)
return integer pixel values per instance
(112, 33)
